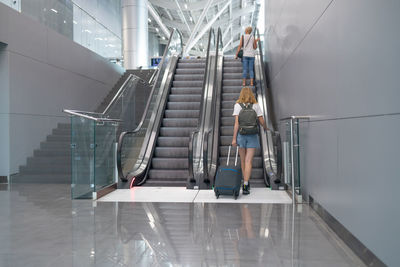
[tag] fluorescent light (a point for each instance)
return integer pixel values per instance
(191, 19)
(157, 30)
(87, 31)
(65, 22)
(149, 19)
(185, 6)
(55, 11)
(75, 22)
(163, 38)
(98, 38)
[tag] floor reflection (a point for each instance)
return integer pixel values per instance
(41, 226)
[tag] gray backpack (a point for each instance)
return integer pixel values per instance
(247, 120)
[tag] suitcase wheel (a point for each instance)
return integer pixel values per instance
(217, 194)
(236, 194)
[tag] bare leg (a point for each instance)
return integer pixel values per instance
(248, 163)
(244, 82)
(251, 82)
(242, 153)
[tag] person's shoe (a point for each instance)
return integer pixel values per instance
(246, 189)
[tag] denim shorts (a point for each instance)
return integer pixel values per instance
(248, 141)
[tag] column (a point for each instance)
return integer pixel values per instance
(135, 33)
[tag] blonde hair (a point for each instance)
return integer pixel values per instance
(246, 96)
(248, 30)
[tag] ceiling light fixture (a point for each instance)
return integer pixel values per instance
(55, 11)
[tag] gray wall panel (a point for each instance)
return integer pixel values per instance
(47, 72)
(344, 72)
(4, 118)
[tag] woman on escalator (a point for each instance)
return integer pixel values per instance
(245, 132)
(249, 45)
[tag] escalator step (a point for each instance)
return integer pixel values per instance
(176, 131)
(185, 98)
(188, 77)
(170, 163)
(190, 71)
(172, 142)
(234, 75)
(188, 90)
(181, 122)
(223, 151)
(183, 106)
(227, 112)
(181, 113)
(257, 161)
(232, 89)
(232, 82)
(228, 104)
(230, 96)
(176, 152)
(233, 69)
(187, 83)
(172, 175)
(191, 65)
(227, 121)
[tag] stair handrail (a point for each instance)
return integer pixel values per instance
(121, 90)
(139, 127)
(214, 123)
(192, 179)
(271, 156)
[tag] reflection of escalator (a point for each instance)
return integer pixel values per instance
(232, 85)
(169, 165)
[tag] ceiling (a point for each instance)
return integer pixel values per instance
(194, 19)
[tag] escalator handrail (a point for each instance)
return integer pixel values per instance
(268, 134)
(213, 123)
(191, 177)
(139, 127)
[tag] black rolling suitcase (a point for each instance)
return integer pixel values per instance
(228, 178)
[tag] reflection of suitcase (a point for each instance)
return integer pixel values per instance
(228, 178)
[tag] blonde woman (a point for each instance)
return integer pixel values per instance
(247, 113)
(249, 45)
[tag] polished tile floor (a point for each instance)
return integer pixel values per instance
(41, 226)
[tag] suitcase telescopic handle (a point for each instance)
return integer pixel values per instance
(229, 154)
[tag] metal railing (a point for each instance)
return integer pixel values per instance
(292, 155)
(211, 131)
(270, 139)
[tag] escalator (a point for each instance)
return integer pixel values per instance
(231, 87)
(217, 131)
(156, 152)
(169, 165)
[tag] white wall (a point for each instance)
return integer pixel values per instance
(46, 73)
(339, 61)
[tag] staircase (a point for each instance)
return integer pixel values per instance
(232, 85)
(51, 163)
(169, 165)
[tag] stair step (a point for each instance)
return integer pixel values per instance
(42, 178)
